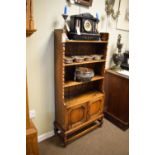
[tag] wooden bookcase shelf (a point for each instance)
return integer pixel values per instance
(85, 41)
(78, 104)
(75, 83)
(85, 62)
(83, 98)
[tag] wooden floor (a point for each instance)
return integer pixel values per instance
(107, 140)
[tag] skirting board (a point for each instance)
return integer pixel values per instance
(45, 136)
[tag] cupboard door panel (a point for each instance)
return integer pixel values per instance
(95, 108)
(77, 115)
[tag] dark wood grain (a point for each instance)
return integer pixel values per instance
(117, 99)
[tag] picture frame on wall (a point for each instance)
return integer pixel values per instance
(123, 18)
(86, 3)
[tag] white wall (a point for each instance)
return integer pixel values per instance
(40, 55)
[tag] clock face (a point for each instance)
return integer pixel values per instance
(87, 25)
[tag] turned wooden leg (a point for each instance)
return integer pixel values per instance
(101, 122)
(65, 140)
(64, 144)
(55, 131)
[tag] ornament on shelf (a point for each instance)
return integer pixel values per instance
(66, 27)
(97, 17)
(118, 57)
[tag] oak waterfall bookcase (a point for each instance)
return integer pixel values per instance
(78, 105)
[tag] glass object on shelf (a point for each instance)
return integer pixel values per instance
(83, 74)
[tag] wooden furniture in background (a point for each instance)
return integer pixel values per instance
(31, 132)
(27, 109)
(117, 98)
(79, 105)
(29, 18)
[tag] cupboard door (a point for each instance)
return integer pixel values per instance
(95, 108)
(77, 115)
